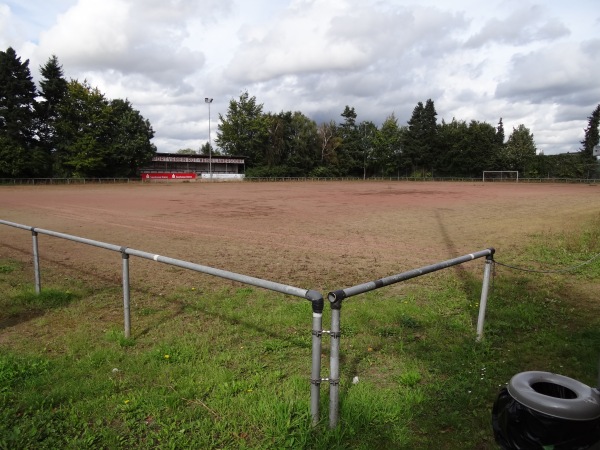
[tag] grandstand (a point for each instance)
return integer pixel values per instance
(178, 166)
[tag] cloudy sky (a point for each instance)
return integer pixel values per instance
(535, 63)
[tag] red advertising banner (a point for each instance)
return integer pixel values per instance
(168, 176)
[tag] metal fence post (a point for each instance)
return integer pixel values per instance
(36, 262)
(313, 296)
(484, 295)
(126, 309)
(334, 364)
(315, 378)
(318, 303)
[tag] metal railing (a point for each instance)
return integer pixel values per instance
(77, 181)
(44, 181)
(314, 297)
(335, 300)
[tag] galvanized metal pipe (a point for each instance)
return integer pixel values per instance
(70, 237)
(126, 307)
(336, 297)
(484, 295)
(16, 225)
(36, 263)
(271, 285)
(371, 285)
(334, 367)
(313, 296)
(315, 375)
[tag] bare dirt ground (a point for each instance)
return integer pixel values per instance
(314, 235)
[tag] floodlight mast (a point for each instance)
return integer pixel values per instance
(209, 101)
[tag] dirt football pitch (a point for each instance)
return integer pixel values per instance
(314, 235)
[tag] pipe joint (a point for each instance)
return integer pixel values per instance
(317, 301)
(335, 298)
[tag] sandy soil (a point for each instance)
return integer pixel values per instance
(317, 235)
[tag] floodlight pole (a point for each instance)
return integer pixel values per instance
(209, 101)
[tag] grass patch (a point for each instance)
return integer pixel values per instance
(26, 303)
(230, 368)
(7, 267)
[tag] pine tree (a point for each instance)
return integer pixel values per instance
(17, 117)
(592, 138)
(421, 141)
(350, 154)
(500, 133)
(53, 91)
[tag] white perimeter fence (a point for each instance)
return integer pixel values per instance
(335, 299)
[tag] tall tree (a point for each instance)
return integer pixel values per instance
(591, 139)
(329, 142)
(367, 134)
(350, 154)
(421, 139)
(500, 133)
(387, 147)
(276, 151)
(465, 149)
(17, 117)
(481, 146)
(129, 142)
(454, 157)
(292, 145)
(83, 129)
(244, 130)
(53, 89)
(520, 151)
(97, 137)
(303, 147)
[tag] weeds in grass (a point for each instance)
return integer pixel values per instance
(230, 369)
(7, 266)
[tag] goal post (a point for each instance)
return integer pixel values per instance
(500, 175)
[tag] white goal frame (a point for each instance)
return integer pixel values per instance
(514, 175)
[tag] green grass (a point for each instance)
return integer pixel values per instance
(230, 368)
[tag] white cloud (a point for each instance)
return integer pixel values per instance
(338, 37)
(520, 27)
(128, 37)
(564, 73)
(528, 63)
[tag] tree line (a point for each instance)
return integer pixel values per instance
(291, 144)
(66, 128)
(70, 129)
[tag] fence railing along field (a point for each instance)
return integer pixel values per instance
(424, 179)
(317, 301)
(79, 181)
(336, 297)
(314, 297)
(44, 181)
